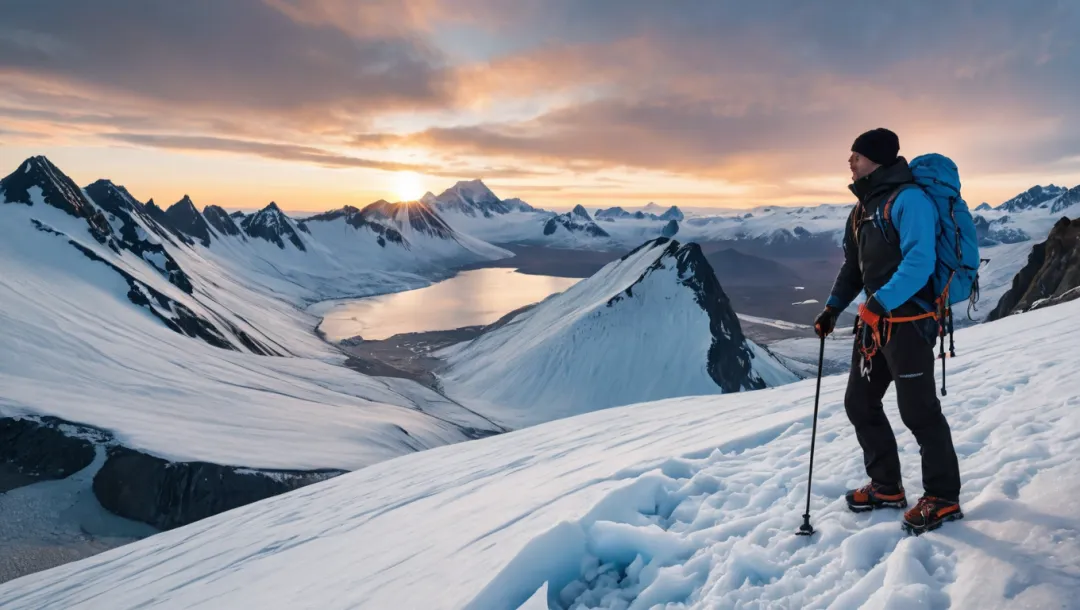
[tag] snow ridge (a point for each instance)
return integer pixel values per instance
(573, 353)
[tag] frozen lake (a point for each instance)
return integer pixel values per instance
(471, 298)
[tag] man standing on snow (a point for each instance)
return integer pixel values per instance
(889, 252)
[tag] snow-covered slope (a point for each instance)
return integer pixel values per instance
(691, 502)
(653, 324)
(111, 322)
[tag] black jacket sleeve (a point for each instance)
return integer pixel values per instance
(849, 281)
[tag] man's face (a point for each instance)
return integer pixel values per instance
(860, 166)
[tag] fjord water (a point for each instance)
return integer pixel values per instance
(470, 298)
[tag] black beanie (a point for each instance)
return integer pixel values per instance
(879, 145)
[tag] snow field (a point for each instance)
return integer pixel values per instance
(689, 503)
(717, 532)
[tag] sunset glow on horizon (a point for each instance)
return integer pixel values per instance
(317, 104)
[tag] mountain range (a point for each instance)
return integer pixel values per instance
(168, 355)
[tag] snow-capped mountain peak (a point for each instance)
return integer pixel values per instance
(429, 198)
(1036, 196)
(573, 353)
(1066, 200)
(576, 223)
(38, 176)
(271, 224)
(470, 197)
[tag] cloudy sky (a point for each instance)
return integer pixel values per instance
(319, 103)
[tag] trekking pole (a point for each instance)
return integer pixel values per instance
(806, 529)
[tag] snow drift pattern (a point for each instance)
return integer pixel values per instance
(691, 502)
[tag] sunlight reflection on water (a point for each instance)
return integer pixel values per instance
(480, 296)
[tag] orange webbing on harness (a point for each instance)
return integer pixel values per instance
(940, 312)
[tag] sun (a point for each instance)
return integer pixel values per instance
(409, 186)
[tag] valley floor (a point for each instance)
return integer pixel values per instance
(50, 523)
(690, 501)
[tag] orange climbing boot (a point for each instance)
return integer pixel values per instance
(930, 513)
(874, 495)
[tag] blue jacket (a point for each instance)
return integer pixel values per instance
(890, 258)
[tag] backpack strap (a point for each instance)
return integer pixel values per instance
(887, 211)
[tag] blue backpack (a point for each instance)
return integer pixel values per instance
(956, 274)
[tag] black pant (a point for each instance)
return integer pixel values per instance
(908, 359)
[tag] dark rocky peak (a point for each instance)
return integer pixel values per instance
(983, 207)
(639, 215)
(271, 224)
(1036, 196)
(38, 177)
(670, 229)
(1051, 275)
(580, 212)
(220, 220)
(730, 359)
(673, 213)
(185, 218)
(238, 215)
(113, 198)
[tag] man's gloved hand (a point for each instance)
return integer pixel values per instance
(825, 323)
(871, 312)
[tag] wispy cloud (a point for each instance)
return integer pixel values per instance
(754, 95)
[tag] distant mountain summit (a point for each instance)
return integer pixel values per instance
(651, 211)
(1036, 196)
(271, 224)
(574, 222)
(580, 212)
(673, 213)
(471, 198)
